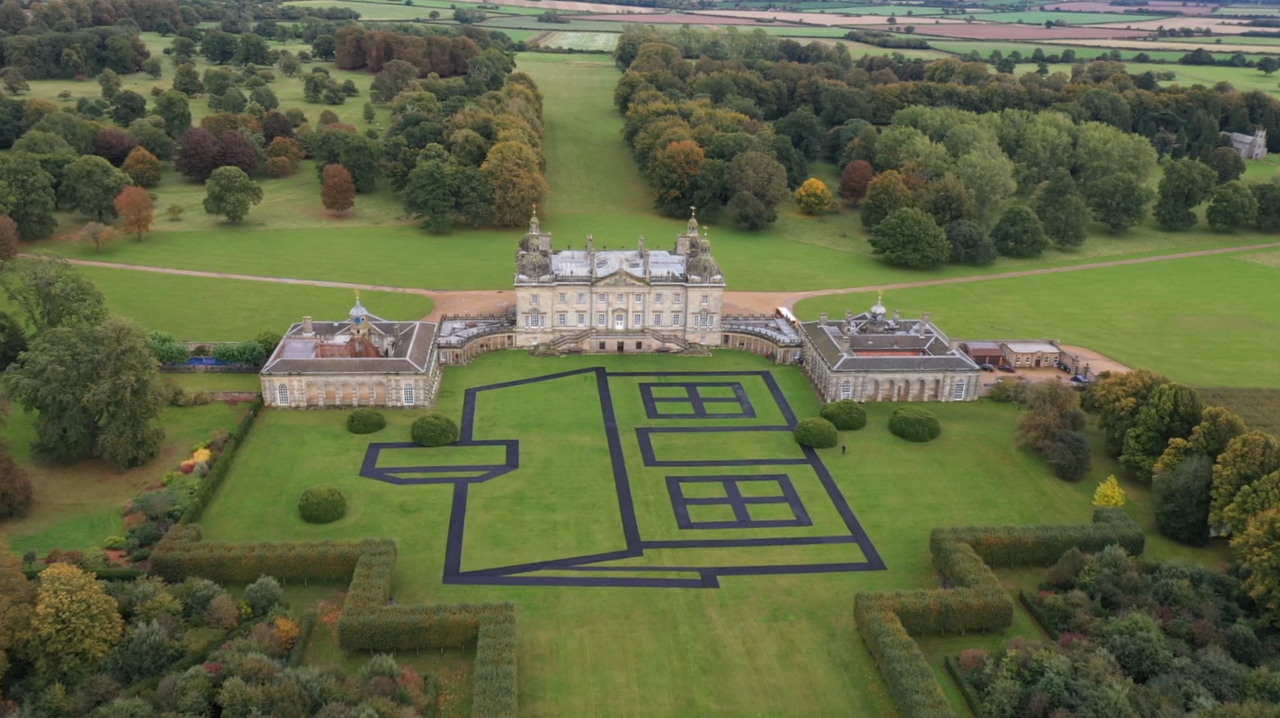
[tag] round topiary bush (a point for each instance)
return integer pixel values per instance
(434, 429)
(365, 421)
(914, 424)
(846, 414)
(322, 505)
(816, 432)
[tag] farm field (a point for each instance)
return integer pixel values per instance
(419, 10)
(1083, 52)
(1247, 10)
(585, 41)
(78, 506)
(1153, 315)
(1039, 17)
(735, 650)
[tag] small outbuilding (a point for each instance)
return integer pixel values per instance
(984, 352)
(1031, 355)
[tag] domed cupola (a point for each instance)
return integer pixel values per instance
(533, 265)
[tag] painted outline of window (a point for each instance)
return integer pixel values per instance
(740, 505)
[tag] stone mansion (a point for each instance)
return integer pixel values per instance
(631, 301)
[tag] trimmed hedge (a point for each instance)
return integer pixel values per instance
(306, 625)
(886, 621)
(368, 622)
(434, 429)
(967, 688)
(102, 574)
(817, 433)
(365, 421)
(322, 505)
(914, 424)
(846, 414)
(218, 473)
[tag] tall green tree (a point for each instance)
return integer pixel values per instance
(1186, 183)
(1171, 412)
(1019, 233)
(1117, 399)
(1233, 206)
(31, 208)
(946, 200)
(1062, 210)
(990, 179)
(1182, 501)
(1256, 548)
(49, 292)
(1227, 163)
(105, 407)
(1051, 408)
(231, 193)
(175, 110)
(1246, 460)
(910, 238)
(886, 193)
(1119, 201)
(91, 185)
(970, 243)
(757, 184)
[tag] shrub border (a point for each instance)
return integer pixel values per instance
(369, 620)
(887, 621)
(218, 473)
(967, 688)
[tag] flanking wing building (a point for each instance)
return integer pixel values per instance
(874, 357)
(363, 361)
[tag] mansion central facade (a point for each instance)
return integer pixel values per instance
(629, 301)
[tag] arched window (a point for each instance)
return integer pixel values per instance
(282, 395)
(533, 320)
(846, 390)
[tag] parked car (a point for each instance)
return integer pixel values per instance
(1005, 368)
(986, 367)
(1078, 379)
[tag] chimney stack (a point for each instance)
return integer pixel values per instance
(896, 314)
(307, 329)
(822, 319)
(925, 318)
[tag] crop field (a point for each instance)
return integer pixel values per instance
(756, 645)
(419, 10)
(1248, 10)
(1039, 17)
(586, 41)
(1083, 52)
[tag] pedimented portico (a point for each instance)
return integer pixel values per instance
(621, 300)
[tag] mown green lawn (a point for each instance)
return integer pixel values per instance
(78, 506)
(759, 645)
(1212, 321)
(204, 309)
